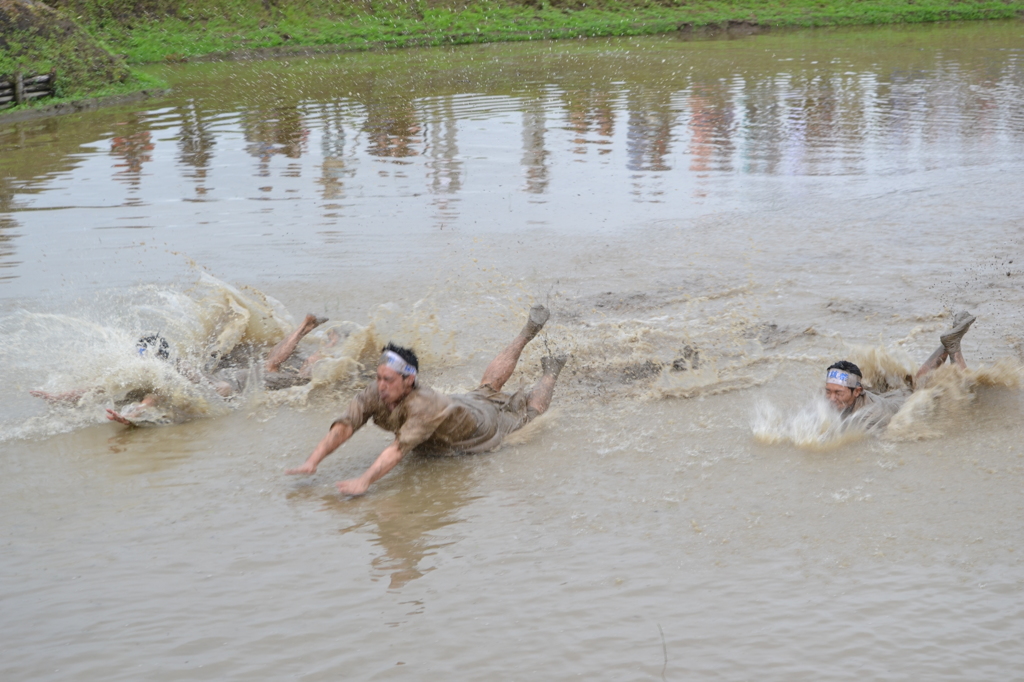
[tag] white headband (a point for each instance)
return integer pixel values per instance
(841, 378)
(394, 361)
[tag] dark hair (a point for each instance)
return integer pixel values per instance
(156, 343)
(405, 353)
(846, 366)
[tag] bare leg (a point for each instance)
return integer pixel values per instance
(933, 362)
(307, 367)
(283, 350)
(501, 367)
(540, 396)
(962, 321)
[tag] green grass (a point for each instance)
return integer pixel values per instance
(147, 31)
(174, 38)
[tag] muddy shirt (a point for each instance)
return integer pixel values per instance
(872, 411)
(432, 421)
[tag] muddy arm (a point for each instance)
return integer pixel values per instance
(387, 460)
(339, 433)
(65, 397)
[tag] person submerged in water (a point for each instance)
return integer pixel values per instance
(227, 381)
(870, 410)
(423, 418)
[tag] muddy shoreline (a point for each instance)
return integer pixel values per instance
(728, 30)
(80, 105)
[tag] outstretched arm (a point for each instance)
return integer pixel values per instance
(125, 417)
(339, 433)
(387, 460)
(66, 397)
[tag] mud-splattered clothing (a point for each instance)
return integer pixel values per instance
(237, 378)
(873, 411)
(432, 421)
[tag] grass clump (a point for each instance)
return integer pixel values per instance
(35, 39)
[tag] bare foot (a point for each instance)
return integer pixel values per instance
(962, 321)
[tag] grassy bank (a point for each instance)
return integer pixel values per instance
(91, 42)
(161, 30)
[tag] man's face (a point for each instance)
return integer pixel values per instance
(841, 397)
(392, 386)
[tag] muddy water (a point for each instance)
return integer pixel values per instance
(711, 222)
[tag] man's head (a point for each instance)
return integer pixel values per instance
(396, 373)
(842, 384)
(153, 345)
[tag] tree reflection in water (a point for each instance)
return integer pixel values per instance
(195, 144)
(133, 146)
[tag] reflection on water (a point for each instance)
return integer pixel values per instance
(660, 120)
(444, 166)
(196, 142)
(280, 131)
(534, 159)
(404, 520)
(7, 230)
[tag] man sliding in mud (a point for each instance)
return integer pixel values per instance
(418, 416)
(226, 382)
(874, 410)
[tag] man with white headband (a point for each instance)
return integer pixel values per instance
(423, 418)
(843, 387)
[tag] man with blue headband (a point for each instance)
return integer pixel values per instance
(227, 380)
(423, 418)
(871, 410)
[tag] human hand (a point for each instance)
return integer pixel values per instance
(119, 418)
(307, 468)
(352, 486)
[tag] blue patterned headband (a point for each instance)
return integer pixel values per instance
(841, 378)
(394, 361)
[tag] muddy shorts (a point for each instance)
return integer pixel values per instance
(499, 412)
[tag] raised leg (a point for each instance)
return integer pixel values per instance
(307, 367)
(540, 396)
(501, 367)
(962, 321)
(286, 347)
(933, 362)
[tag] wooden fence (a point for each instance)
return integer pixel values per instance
(18, 89)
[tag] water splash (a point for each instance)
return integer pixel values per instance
(941, 400)
(945, 396)
(816, 426)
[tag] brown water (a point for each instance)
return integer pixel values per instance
(774, 203)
